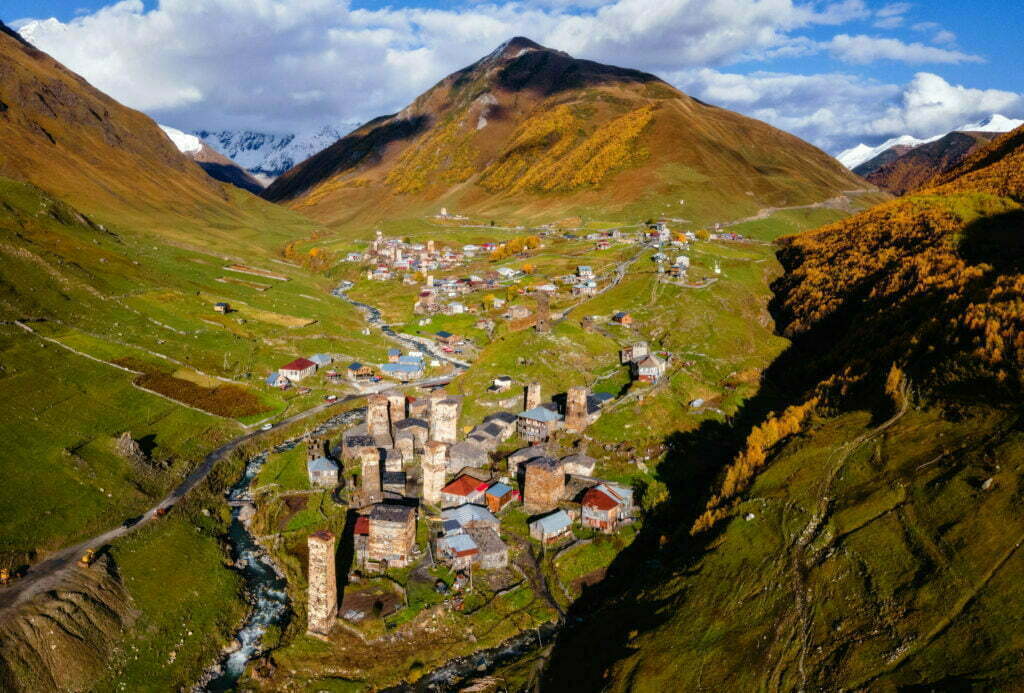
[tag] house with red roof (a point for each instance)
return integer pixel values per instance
(298, 369)
(464, 489)
(605, 506)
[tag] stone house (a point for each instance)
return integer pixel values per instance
(322, 472)
(392, 535)
(520, 457)
(466, 453)
(579, 464)
(492, 552)
(634, 352)
(650, 369)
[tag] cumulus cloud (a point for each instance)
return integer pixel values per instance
(838, 110)
(868, 49)
(284, 64)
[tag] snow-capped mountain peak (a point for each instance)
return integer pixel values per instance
(862, 153)
(186, 143)
(268, 155)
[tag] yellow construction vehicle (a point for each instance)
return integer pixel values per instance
(5, 576)
(87, 557)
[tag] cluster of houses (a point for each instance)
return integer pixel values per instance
(645, 366)
(436, 295)
(300, 369)
(390, 258)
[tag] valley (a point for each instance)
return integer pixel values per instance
(556, 379)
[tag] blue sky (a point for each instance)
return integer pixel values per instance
(835, 72)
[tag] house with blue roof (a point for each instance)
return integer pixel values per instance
(321, 360)
(551, 527)
(538, 423)
(471, 515)
(322, 472)
(458, 550)
(394, 354)
(498, 495)
(403, 371)
(275, 379)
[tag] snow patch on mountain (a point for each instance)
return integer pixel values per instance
(267, 155)
(186, 143)
(862, 153)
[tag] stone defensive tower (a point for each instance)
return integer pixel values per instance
(314, 448)
(543, 323)
(444, 421)
(544, 485)
(377, 421)
(576, 418)
(396, 406)
(434, 465)
(532, 397)
(370, 458)
(323, 586)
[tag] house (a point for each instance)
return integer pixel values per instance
(604, 506)
(322, 472)
(522, 456)
(634, 352)
(498, 496)
(393, 481)
(360, 538)
(222, 308)
(586, 288)
(518, 312)
(501, 384)
(298, 369)
(492, 551)
(392, 534)
(546, 289)
(275, 379)
(502, 423)
(467, 453)
(321, 360)
(582, 465)
(358, 371)
(458, 550)
(507, 272)
(471, 515)
(447, 338)
(464, 489)
(403, 372)
(551, 527)
(394, 355)
(585, 272)
(454, 308)
(650, 369)
(538, 423)
(623, 318)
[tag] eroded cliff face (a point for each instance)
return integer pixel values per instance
(62, 639)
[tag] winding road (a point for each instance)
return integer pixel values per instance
(48, 574)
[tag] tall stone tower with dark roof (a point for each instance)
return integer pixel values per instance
(576, 418)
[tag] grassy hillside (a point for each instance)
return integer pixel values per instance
(532, 134)
(868, 540)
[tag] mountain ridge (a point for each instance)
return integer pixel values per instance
(528, 131)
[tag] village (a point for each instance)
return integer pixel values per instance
(425, 495)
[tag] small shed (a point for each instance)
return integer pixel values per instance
(498, 496)
(551, 527)
(222, 308)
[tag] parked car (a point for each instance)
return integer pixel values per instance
(266, 427)
(331, 398)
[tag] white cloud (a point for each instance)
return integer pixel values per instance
(838, 110)
(868, 49)
(285, 63)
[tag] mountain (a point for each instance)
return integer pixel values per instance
(214, 163)
(860, 155)
(265, 155)
(859, 524)
(532, 132)
(901, 170)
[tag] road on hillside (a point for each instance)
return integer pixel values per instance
(48, 574)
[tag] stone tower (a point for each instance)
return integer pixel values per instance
(396, 406)
(544, 485)
(377, 421)
(543, 314)
(576, 419)
(314, 448)
(434, 465)
(532, 396)
(444, 421)
(370, 458)
(323, 586)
